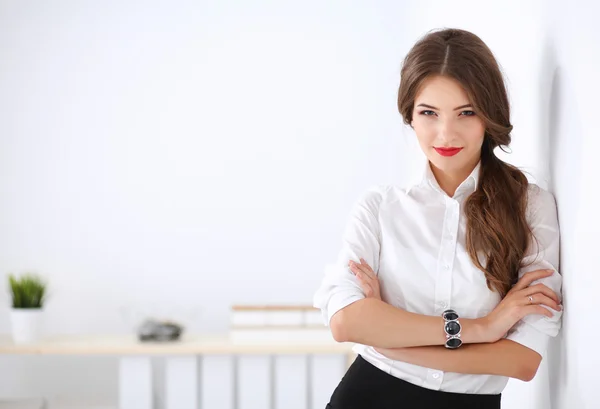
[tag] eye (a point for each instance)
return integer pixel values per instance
(425, 112)
(469, 113)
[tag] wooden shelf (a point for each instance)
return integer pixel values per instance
(274, 307)
(187, 345)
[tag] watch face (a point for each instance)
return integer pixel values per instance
(450, 315)
(452, 327)
(454, 342)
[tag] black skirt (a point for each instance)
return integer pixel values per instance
(364, 386)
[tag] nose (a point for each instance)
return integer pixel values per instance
(446, 130)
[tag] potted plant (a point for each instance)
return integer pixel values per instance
(28, 297)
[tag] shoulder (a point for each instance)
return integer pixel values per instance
(373, 196)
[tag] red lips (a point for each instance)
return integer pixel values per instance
(448, 151)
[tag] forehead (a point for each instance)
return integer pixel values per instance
(442, 92)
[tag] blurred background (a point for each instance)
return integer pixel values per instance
(173, 159)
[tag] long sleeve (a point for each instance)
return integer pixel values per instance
(534, 331)
(361, 239)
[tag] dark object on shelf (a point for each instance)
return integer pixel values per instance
(152, 330)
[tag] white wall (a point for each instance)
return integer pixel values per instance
(573, 56)
(175, 158)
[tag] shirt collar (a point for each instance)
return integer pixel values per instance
(427, 178)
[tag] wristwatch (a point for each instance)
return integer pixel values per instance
(452, 329)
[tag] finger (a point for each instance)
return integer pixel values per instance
(368, 269)
(359, 267)
(530, 277)
(363, 279)
(544, 289)
(536, 310)
(366, 287)
(542, 299)
(541, 288)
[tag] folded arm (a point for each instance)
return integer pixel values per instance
(370, 321)
(503, 358)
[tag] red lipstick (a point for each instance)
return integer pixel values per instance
(447, 151)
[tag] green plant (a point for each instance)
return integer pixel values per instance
(28, 291)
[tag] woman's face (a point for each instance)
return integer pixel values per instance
(444, 118)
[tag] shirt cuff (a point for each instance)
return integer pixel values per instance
(530, 337)
(339, 301)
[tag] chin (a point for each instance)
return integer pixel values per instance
(449, 165)
(446, 163)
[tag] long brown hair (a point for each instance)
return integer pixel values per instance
(496, 211)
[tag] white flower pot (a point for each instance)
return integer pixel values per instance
(26, 324)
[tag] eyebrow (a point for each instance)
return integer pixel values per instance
(457, 108)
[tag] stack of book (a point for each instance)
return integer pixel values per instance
(285, 323)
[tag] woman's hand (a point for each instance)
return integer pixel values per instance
(367, 278)
(520, 301)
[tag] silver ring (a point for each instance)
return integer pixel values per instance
(531, 299)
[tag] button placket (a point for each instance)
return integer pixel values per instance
(453, 227)
(446, 256)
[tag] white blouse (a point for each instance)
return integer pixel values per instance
(414, 239)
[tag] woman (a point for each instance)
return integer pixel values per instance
(448, 286)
